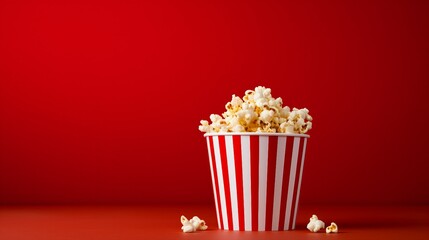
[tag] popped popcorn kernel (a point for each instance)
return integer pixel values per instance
(258, 111)
(192, 225)
(204, 127)
(315, 224)
(198, 223)
(333, 228)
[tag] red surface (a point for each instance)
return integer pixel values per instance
(163, 222)
(100, 101)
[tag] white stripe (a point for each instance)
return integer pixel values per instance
(213, 181)
(245, 155)
(299, 182)
(295, 151)
(263, 164)
(232, 180)
(280, 161)
(220, 181)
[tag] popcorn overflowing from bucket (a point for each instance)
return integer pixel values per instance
(258, 111)
(256, 152)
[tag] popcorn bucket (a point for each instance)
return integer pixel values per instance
(256, 179)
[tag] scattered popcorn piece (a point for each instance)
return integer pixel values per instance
(198, 223)
(187, 225)
(192, 225)
(315, 224)
(333, 228)
(258, 111)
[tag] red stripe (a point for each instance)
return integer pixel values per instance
(222, 149)
(272, 155)
(285, 184)
(216, 181)
(254, 179)
(295, 189)
(239, 180)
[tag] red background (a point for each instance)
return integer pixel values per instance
(100, 101)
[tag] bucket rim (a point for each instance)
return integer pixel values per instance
(257, 134)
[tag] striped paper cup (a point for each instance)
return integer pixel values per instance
(256, 179)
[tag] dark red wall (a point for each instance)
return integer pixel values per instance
(100, 102)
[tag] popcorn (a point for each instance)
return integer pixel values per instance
(258, 111)
(297, 119)
(332, 228)
(187, 225)
(267, 116)
(192, 225)
(204, 127)
(315, 224)
(198, 223)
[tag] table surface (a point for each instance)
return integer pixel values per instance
(163, 222)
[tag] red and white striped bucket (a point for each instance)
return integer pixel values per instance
(256, 179)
